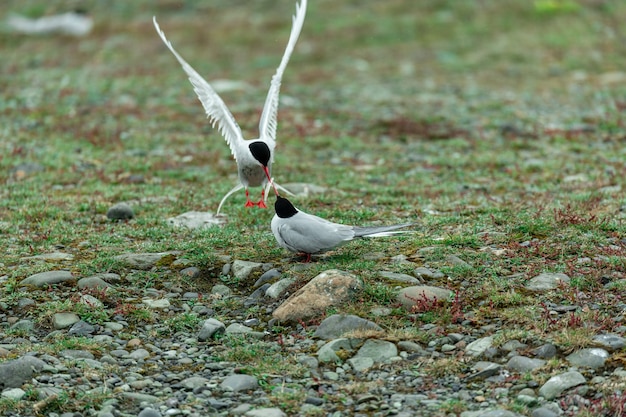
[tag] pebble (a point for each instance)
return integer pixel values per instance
(524, 364)
(44, 279)
(335, 326)
(590, 358)
(196, 220)
(610, 342)
(412, 297)
(210, 328)
(239, 382)
(120, 211)
(559, 383)
(398, 278)
(243, 269)
(547, 281)
(278, 288)
(479, 346)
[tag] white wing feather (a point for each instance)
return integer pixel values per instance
(267, 124)
(216, 110)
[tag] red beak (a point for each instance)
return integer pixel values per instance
(267, 174)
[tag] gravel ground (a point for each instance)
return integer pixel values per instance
(337, 365)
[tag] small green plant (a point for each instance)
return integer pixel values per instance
(182, 322)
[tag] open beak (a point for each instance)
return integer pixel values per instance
(267, 174)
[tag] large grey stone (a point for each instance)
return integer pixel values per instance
(397, 277)
(14, 373)
(92, 283)
(64, 320)
(43, 279)
(120, 211)
(196, 220)
(266, 412)
(338, 350)
(210, 328)
(378, 350)
(239, 382)
(412, 297)
(336, 325)
(589, 358)
(330, 288)
(479, 346)
(610, 341)
(243, 269)
(547, 281)
(559, 383)
(277, 288)
(524, 364)
(146, 260)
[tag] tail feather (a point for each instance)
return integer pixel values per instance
(381, 231)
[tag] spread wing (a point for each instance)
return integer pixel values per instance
(216, 110)
(311, 234)
(267, 124)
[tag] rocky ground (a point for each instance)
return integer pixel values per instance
(174, 351)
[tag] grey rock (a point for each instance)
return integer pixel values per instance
(64, 320)
(559, 383)
(14, 394)
(547, 281)
(329, 288)
(266, 412)
(397, 277)
(157, 304)
(512, 345)
(499, 413)
(139, 397)
(346, 347)
(221, 290)
(43, 279)
(81, 328)
(378, 350)
(610, 342)
(91, 301)
(267, 276)
(543, 412)
(427, 273)
(484, 370)
(412, 296)
(210, 328)
(145, 261)
(92, 283)
(14, 373)
(26, 325)
(149, 412)
(524, 364)
(240, 329)
(479, 346)
(279, 287)
(24, 303)
(239, 382)
(190, 272)
(589, 358)
(546, 351)
(76, 354)
(120, 211)
(196, 220)
(336, 325)
(139, 354)
(51, 257)
(243, 269)
(361, 363)
(194, 382)
(411, 347)
(456, 261)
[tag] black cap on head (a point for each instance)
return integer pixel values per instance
(261, 152)
(284, 208)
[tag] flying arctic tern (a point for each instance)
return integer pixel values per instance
(307, 234)
(254, 157)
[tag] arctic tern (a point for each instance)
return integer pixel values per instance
(254, 157)
(307, 234)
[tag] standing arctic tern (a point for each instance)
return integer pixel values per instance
(254, 157)
(307, 234)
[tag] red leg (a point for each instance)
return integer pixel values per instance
(261, 202)
(248, 202)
